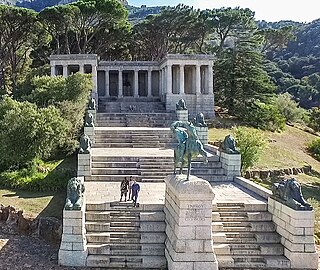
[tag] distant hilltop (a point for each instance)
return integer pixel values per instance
(38, 5)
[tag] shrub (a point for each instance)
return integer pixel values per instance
(52, 90)
(250, 143)
(39, 176)
(314, 148)
(315, 119)
(265, 116)
(289, 108)
(27, 132)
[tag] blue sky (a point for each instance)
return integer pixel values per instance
(271, 10)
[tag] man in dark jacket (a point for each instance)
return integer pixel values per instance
(135, 193)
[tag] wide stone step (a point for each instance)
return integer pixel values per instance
(114, 164)
(254, 249)
(114, 171)
(127, 262)
(114, 158)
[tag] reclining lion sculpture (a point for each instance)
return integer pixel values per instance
(289, 192)
(229, 145)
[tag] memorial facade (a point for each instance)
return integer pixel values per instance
(176, 76)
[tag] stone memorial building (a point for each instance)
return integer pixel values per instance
(176, 76)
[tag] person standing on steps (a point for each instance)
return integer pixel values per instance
(131, 182)
(135, 193)
(124, 189)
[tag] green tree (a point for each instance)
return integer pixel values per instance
(289, 108)
(174, 30)
(96, 16)
(19, 33)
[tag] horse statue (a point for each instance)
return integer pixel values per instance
(189, 146)
(289, 192)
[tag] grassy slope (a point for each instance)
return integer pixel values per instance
(285, 150)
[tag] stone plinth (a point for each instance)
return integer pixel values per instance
(84, 165)
(231, 163)
(188, 210)
(90, 132)
(202, 133)
(73, 249)
(182, 115)
(94, 113)
(297, 234)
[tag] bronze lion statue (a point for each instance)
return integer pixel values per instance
(181, 105)
(85, 144)
(75, 190)
(289, 192)
(229, 145)
(199, 120)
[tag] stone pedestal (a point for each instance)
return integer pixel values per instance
(188, 209)
(73, 249)
(182, 115)
(231, 163)
(94, 113)
(297, 234)
(202, 133)
(90, 132)
(84, 165)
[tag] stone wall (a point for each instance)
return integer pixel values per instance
(195, 104)
(297, 234)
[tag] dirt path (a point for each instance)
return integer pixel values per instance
(22, 253)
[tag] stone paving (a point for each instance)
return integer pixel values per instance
(153, 193)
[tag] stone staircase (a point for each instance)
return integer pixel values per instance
(130, 119)
(131, 105)
(144, 169)
(133, 138)
(121, 236)
(244, 237)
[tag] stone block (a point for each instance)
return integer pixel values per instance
(67, 229)
(66, 246)
(203, 232)
(78, 246)
(72, 222)
(206, 265)
(72, 214)
(309, 248)
(72, 258)
(72, 238)
(308, 231)
(194, 246)
(302, 260)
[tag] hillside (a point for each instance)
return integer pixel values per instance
(38, 5)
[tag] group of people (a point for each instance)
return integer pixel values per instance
(132, 187)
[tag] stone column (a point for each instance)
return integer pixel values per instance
(53, 71)
(107, 82)
(81, 69)
(210, 79)
(181, 90)
(160, 82)
(149, 83)
(188, 210)
(169, 80)
(95, 83)
(198, 80)
(136, 83)
(65, 71)
(120, 84)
